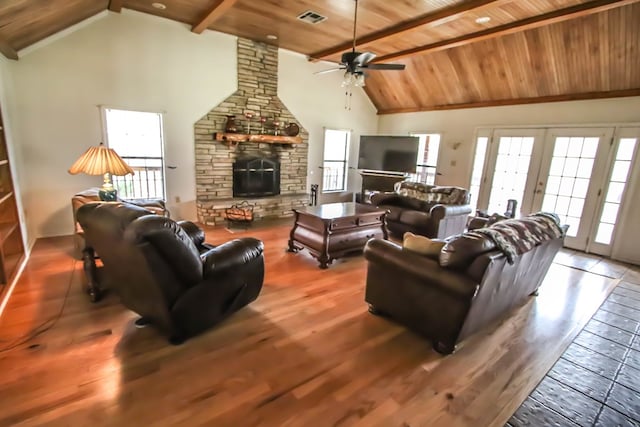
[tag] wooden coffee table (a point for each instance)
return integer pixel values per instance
(333, 230)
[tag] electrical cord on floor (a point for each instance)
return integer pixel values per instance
(47, 324)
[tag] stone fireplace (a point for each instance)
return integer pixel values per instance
(256, 177)
(270, 176)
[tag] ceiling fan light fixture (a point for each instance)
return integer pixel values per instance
(348, 79)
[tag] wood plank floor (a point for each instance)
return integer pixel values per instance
(306, 353)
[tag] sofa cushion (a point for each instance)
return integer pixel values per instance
(448, 195)
(461, 250)
(413, 190)
(411, 217)
(423, 245)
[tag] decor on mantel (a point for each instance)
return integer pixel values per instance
(230, 126)
(105, 161)
(235, 138)
(249, 116)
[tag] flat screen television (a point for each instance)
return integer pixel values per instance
(388, 153)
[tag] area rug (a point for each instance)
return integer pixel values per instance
(596, 381)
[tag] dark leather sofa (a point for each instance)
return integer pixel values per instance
(427, 210)
(447, 304)
(163, 270)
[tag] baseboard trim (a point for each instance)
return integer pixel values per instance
(4, 298)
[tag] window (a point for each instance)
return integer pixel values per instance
(137, 137)
(427, 160)
(336, 156)
(478, 169)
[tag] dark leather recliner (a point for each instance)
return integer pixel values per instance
(163, 270)
(91, 195)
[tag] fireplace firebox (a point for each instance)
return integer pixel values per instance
(256, 177)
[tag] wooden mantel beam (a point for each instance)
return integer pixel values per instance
(219, 8)
(115, 5)
(7, 50)
(554, 17)
(431, 19)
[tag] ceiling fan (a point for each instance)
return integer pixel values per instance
(356, 63)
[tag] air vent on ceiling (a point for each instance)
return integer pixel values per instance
(311, 17)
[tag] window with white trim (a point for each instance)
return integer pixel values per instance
(427, 161)
(335, 160)
(137, 137)
(478, 170)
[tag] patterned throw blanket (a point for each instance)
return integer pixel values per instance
(517, 236)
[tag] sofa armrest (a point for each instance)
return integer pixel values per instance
(231, 254)
(385, 198)
(157, 206)
(193, 231)
(394, 257)
(440, 211)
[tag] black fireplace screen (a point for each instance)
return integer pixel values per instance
(256, 177)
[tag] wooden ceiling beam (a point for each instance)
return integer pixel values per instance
(430, 20)
(219, 8)
(7, 50)
(115, 5)
(517, 101)
(554, 17)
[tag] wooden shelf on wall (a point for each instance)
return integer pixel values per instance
(234, 138)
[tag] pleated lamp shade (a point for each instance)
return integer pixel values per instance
(100, 160)
(104, 161)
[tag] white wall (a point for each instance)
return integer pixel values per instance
(318, 101)
(130, 61)
(137, 61)
(458, 126)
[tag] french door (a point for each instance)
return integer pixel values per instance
(617, 199)
(561, 170)
(570, 179)
(511, 168)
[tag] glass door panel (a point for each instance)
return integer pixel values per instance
(573, 161)
(614, 193)
(514, 160)
(568, 180)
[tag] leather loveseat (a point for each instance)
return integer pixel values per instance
(163, 270)
(427, 210)
(470, 283)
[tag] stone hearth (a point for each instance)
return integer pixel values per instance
(258, 93)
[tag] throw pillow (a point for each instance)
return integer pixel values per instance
(422, 245)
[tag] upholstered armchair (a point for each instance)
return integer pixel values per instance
(162, 269)
(90, 195)
(427, 210)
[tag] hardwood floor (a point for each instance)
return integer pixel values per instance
(306, 353)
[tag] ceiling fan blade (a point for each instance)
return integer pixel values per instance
(384, 66)
(364, 58)
(329, 70)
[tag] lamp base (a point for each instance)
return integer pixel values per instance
(110, 195)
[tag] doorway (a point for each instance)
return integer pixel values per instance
(581, 174)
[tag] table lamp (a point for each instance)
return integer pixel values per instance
(105, 161)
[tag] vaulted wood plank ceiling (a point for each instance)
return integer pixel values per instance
(529, 50)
